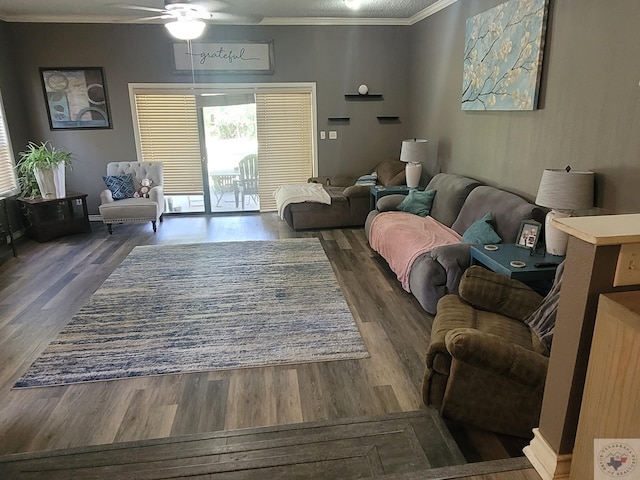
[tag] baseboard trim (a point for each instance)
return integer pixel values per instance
(548, 464)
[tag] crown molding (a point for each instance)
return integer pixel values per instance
(431, 10)
(332, 21)
(62, 19)
(427, 12)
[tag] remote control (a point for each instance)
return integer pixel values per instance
(545, 264)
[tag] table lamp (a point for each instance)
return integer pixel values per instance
(413, 152)
(563, 191)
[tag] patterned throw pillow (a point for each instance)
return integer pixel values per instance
(121, 186)
(370, 179)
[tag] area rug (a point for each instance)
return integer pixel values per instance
(197, 307)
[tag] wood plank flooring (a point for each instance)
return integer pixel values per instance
(354, 448)
(42, 288)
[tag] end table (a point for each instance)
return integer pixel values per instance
(48, 219)
(499, 261)
(379, 191)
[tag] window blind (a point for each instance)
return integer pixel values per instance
(8, 180)
(285, 148)
(168, 129)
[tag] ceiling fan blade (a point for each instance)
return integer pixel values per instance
(155, 17)
(137, 7)
(223, 17)
(210, 5)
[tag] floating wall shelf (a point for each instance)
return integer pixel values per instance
(368, 96)
(388, 118)
(339, 119)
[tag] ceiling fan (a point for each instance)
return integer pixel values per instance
(186, 20)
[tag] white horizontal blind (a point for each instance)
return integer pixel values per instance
(285, 149)
(168, 128)
(8, 180)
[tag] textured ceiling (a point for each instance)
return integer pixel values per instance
(273, 11)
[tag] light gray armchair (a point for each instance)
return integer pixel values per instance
(133, 208)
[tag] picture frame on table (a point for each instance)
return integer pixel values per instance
(529, 234)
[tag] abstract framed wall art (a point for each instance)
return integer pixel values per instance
(76, 97)
(503, 56)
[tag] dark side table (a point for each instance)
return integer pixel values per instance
(500, 261)
(379, 191)
(48, 219)
(5, 225)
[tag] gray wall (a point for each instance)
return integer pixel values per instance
(590, 98)
(13, 104)
(337, 58)
(590, 102)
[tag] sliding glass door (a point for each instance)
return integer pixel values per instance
(229, 130)
(226, 148)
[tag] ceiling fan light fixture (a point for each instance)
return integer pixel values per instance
(352, 4)
(185, 29)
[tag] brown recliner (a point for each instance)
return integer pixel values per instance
(485, 366)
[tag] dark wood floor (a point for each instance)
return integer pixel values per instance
(42, 289)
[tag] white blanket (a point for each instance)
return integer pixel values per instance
(297, 193)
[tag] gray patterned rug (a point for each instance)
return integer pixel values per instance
(196, 307)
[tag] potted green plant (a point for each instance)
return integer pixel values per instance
(41, 170)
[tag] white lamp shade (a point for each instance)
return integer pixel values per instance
(562, 190)
(413, 150)
(185, 29)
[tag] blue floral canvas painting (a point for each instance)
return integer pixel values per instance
(503, 56)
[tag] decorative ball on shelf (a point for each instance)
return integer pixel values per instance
(363, 89)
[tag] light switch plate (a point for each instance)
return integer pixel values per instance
(323, 135)
(333, 134)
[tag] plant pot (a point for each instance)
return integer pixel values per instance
(51, 181)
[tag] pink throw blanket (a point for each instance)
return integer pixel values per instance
(402, 237)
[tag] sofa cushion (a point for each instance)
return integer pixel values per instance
(481, 231)
(357, 191)
(391, 173)
(487, 290)
(389, 203)
(418, 202)
(401, 237)
(498, 355)
(454, 312)
(129, 210)
(336, 193)
(452, 192)
(508, 211)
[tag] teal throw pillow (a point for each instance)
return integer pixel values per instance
(481, 231)
(418, 202)
(121, 186)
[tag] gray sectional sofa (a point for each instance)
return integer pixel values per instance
(459, 201)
